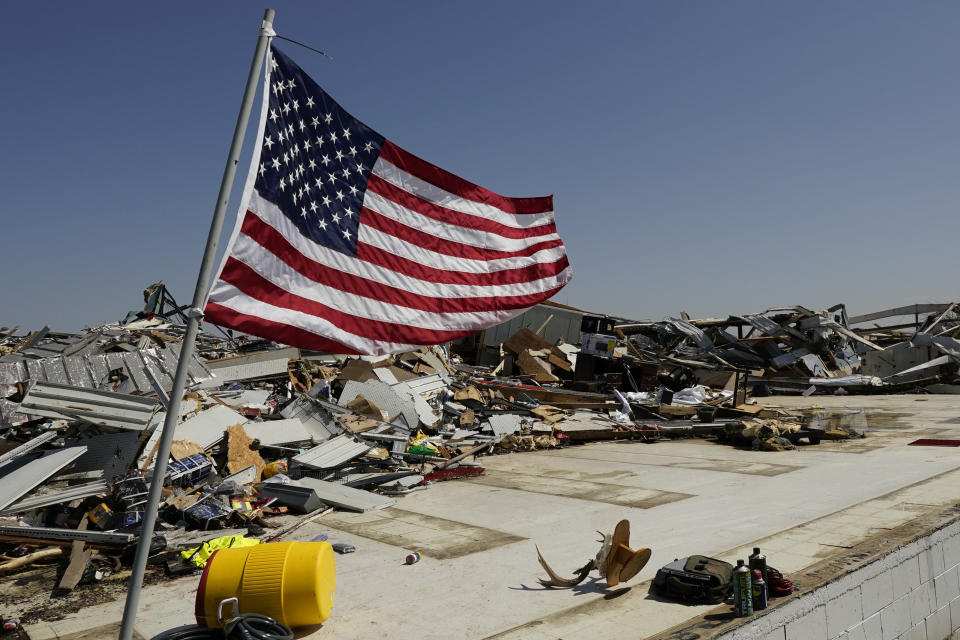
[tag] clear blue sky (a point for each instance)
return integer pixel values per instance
(713, 157)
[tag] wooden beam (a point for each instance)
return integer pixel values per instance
(544, 325)
(30, 558)
(79, 557)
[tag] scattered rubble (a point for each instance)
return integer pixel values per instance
(270, 436)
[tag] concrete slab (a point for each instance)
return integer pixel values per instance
(477, 578)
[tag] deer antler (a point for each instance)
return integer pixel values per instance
(557, 581)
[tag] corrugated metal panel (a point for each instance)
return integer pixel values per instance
(112, 453)
(27, 446)
(332, 453)
(92, 371)
(262, 364)
(434, 361)
(565, 324)
(278, 431)
(921, 368)
(20, 476)
(315, 415)
(45, 533)
(384, 396)
(338, 495)
(418, 391)
(384, 374)
(245, 397)
(205, 428)
(424, 385)
(103, 408)
(58, 496)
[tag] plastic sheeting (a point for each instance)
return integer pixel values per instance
(698, 395)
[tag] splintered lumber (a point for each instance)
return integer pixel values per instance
(180, 449)
(534, 366)
(562, 398)
(549, 414)
(30, 558)
(674, 412)
(79, 557)
(544, 325)
(524, 340)
(557, 361)
(467, 393)
(465, 454)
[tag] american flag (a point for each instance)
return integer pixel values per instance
(346, 243)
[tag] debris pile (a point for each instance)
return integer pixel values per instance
(269, 437)
(792, 350)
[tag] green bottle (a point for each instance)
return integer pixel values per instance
(742, 591)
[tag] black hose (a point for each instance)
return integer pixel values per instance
(191, 633)
(253, 626)
(248, 626)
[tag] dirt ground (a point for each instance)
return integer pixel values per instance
(31, 595)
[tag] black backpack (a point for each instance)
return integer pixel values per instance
(694, 580)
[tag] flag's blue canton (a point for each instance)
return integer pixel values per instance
(315, 158)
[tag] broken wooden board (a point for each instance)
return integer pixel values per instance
(562, 398)
(533, 366)
(557, 361)
(677, 411)
(741, 410)
(357, 423)
(358, 370)
(434, 358)
(79, 557)
(469, 392)
(181, 449)
(549, 414)
(423, 370)
(525, 339)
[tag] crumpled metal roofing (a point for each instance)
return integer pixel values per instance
(21, 475)
(332, 453)
(104, 408)
(93, 371)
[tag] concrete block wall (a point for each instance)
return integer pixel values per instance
(912, 593)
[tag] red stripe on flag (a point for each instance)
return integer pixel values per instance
(447, 247)
(405, 199)
(348, 283)
(274, 242)
(378, 256)
(256, 286)
(457, 185)
(276, 331)
(277, 244)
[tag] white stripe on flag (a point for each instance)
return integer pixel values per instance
(271, 215)
(422, 189)
(282, 276)
(230, 297)
(447, 231)
(434, 260)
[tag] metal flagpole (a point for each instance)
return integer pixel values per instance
(195, 315)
